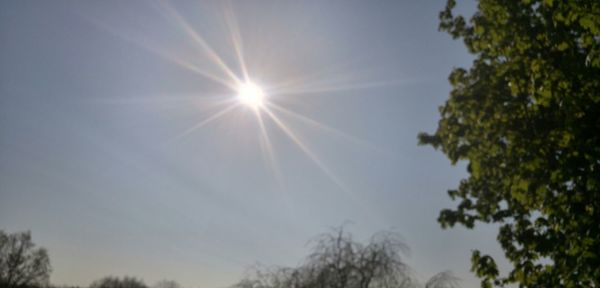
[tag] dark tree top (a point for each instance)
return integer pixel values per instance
(526, 118)
(22, 265)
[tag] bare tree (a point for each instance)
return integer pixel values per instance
(337, 261)
(341, 262)
(443, 280)
(116, 282)
(21, 264)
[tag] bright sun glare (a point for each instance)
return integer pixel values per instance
(251, 95)
(254, 97)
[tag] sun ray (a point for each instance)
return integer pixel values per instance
(354, 198)
(343, 73)
(212, 55)
(273, 166)
(197, 70)
(205, 121)
(306, 150)
(321, 126)
(236, 37)
(268, 151)
(166, 56)
(303, 82)
(166, 99)
(329, 88)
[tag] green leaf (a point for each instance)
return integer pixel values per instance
(525, 116)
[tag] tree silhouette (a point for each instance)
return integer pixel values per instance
(116, 282)
(442, 280)
(21, 264)
(337, 261)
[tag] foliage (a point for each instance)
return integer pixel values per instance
(21, 264)
(337, 261)
(116, 282)
(526, 117)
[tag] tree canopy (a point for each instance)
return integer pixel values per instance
(21, 264)
(526, 118)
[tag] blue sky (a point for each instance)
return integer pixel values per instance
(96, 162)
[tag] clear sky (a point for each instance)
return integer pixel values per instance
(99, 161)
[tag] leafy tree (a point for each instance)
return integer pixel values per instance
(526, 118)
(21, 264)
(337, 261)
(116, 282)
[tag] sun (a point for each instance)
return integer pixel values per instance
(251, 95)
(262, 100)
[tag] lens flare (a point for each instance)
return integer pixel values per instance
(241, 91)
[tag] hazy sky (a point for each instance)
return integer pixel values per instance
(98, 160)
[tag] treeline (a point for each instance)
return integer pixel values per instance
(106, 282)
(113, 282)
(336, 261)
(23, 265)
